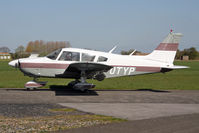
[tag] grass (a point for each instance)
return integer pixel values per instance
(177, 79)
(62, 110)
(53, 123)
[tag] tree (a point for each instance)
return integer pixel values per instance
(29, 47)
(191, 52)
(4, 49)
(43, 48)
(179, 54)
(20, 49)
(20, 53)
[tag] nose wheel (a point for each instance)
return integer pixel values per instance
(34, 84)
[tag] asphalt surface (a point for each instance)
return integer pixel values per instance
(175, 124)
(149, 110)
(33, 110)
(102, 96)
(135, 111)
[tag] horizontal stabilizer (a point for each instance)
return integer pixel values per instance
(178, 67)
(167, 69)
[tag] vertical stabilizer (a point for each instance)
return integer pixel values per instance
(166, 51)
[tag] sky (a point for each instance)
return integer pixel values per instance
(99, 24)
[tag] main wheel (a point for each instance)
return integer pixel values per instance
(84, 90)
(72, 83)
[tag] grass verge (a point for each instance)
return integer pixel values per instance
(52, 123)
(62, 110)
(186, 79)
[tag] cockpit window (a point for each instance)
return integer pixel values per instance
(69, 56)
(102, 59)
(54, 54)
(87, 57)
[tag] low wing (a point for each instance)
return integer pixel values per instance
(91, 69)
(88, 67)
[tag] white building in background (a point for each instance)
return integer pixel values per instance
(5, 56)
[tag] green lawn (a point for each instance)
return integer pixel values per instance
(177, 79)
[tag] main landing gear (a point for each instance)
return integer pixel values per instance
(34, 84)
(81, 84)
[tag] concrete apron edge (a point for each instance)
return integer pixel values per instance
(135, 111)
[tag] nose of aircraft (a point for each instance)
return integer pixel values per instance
(13, 63)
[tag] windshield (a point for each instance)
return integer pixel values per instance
(54, 54)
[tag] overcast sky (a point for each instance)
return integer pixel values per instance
(99, 24)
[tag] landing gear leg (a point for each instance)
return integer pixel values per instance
(81, 85)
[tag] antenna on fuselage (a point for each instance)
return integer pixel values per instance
(112, 49)
(132, 52)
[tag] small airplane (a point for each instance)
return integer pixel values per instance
(83, 64)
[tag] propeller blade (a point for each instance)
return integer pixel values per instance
(19, 64)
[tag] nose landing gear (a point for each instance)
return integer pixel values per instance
(34, 84)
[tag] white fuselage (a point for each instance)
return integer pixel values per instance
(123, 65)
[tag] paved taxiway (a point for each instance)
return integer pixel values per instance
(173, 111)
(135, 111)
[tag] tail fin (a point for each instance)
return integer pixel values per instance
(166, 51)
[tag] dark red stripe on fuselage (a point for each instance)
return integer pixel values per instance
(44, 65)
(64, 66)
(167, 46)
(148, 69)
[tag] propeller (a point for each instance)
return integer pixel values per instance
(18, 64)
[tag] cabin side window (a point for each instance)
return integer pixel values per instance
(69, 56)
(102, 59)
(87, 57)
